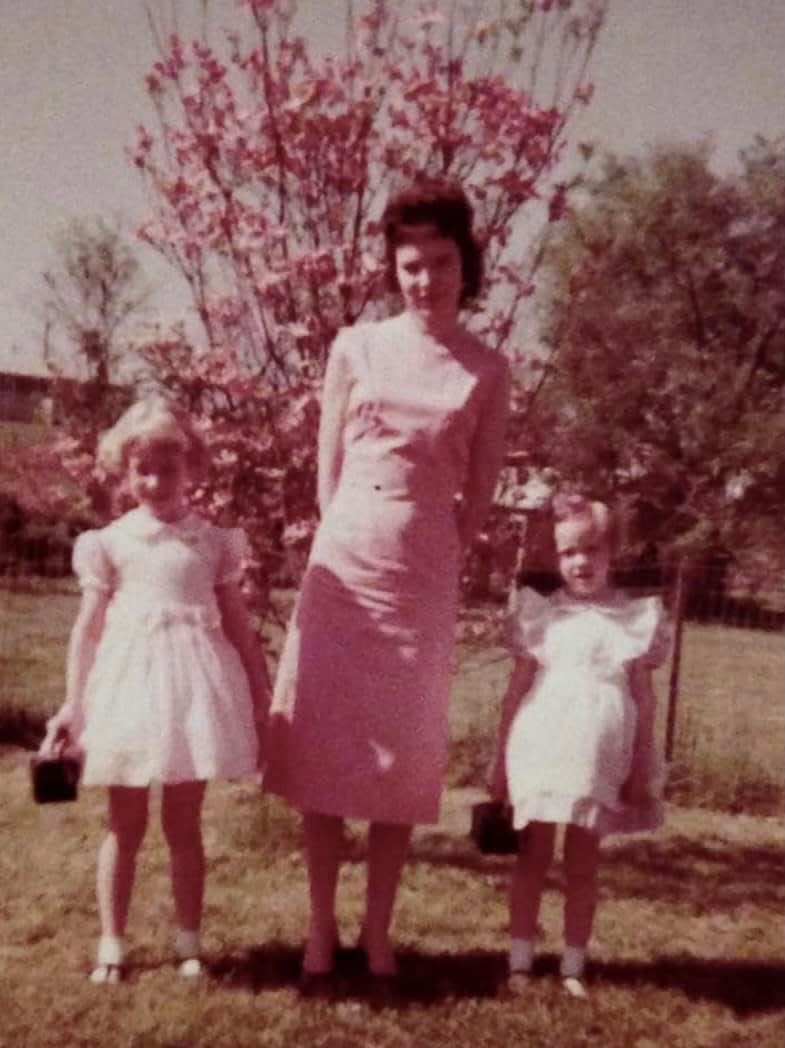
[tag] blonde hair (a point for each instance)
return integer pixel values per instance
(597, 514)
(153, 420)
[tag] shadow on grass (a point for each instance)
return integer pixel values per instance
(701, 876)
(744, 987)
(423, 978)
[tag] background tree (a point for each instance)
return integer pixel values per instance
(664, 380)
(94, 298)
(93, 290)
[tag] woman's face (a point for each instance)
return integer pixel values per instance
(158, 478)
(584, 557)
(429, 270)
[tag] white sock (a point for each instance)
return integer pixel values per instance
(111, 949)
(521, 955)
(573, 962)
(186, 943)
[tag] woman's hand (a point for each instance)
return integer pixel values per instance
(261, 715)
(637, 789)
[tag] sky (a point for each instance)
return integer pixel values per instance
(71, 84)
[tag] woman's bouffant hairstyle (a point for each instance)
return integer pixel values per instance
(153, 420)
(443, 204)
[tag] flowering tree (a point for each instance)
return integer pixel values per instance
(267, 169)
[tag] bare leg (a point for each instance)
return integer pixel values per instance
(535, 852)
(181, 812)
(323, 845)
(388, 844)
(128, 807)
(581, 864)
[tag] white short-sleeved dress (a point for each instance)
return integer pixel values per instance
(570, 746)
(167, 698)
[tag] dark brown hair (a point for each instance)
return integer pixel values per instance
(443, 204)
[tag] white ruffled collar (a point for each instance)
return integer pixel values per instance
(141, 523)
(612, 602)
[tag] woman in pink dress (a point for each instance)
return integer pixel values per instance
(410, 443)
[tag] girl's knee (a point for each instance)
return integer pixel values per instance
(536, 845)
(181, 814)
(581, 857)
(128, 813)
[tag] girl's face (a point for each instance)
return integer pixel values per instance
(158, 478)
(584, 557)
(429, 270)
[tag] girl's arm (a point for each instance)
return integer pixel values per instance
(637, 788)
(63, 728)
(485, 460)
(335, 399)
(521, 679)
(238, 629)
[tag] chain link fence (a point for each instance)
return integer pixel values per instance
(721, 705)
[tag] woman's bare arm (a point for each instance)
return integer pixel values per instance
(335, 399)
(485, 460)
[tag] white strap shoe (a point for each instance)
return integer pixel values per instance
(575, 987)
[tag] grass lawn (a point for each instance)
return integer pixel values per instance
(687, 951)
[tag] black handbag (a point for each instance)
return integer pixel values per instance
(55, 779)
(492, 830)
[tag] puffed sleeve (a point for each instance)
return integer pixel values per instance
(528, 613)
(234, 553)
(91, 562)
(648, 632)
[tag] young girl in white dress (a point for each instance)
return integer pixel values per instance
(576, 735)
(165, 679)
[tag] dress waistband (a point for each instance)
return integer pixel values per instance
(161, 617)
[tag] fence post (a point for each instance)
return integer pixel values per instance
(673, 684)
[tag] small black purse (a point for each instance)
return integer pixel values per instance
(492, 830)
(55, 779)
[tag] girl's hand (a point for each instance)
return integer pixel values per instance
(60, 734)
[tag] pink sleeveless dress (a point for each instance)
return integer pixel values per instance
(359, 714)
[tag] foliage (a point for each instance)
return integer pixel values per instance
(93, 290)
(94, 299)
(269, 167)
(663, 385)
(267, 171)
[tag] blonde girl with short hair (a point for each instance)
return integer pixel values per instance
(166, 682)
(575, 743)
